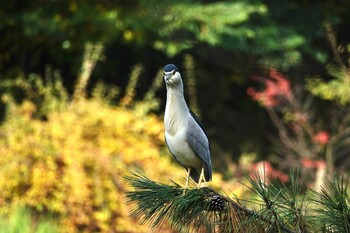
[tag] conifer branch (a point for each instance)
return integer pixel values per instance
(334, 200)
(198, 210)
(283, 206)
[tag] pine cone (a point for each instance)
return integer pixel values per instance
(217, 203)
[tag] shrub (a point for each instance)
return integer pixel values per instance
(72, 164)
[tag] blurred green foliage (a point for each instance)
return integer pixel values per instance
(337, 89)
(22, 220)
(58, 30)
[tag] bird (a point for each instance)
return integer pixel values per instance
(185, 136)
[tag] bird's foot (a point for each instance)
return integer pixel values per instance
(202, 180)
(187, 181)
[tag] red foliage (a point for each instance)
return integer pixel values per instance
(309, 163)
(266, 171)
(299, 137)
(277, 87)
(321, 137)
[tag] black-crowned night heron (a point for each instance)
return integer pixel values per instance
(184, 135)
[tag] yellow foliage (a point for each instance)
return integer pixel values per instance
(73, 163)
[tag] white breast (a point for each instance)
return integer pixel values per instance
(180, 148)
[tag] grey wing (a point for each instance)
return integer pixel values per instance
(199, 143)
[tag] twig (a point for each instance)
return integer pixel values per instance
(91, 55)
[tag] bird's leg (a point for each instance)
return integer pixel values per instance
(201, 178)
(187, 180)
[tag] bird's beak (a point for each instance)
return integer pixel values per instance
(167, 77)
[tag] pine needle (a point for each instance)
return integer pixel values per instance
(198, 210)
(282, 207)
(333, 205)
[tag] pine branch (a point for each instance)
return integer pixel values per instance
(198, 210)
(282, 206)
(334, 200)
(279, 202)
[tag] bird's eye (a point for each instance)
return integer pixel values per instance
(173, 72)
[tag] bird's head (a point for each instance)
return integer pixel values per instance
(172, 76)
